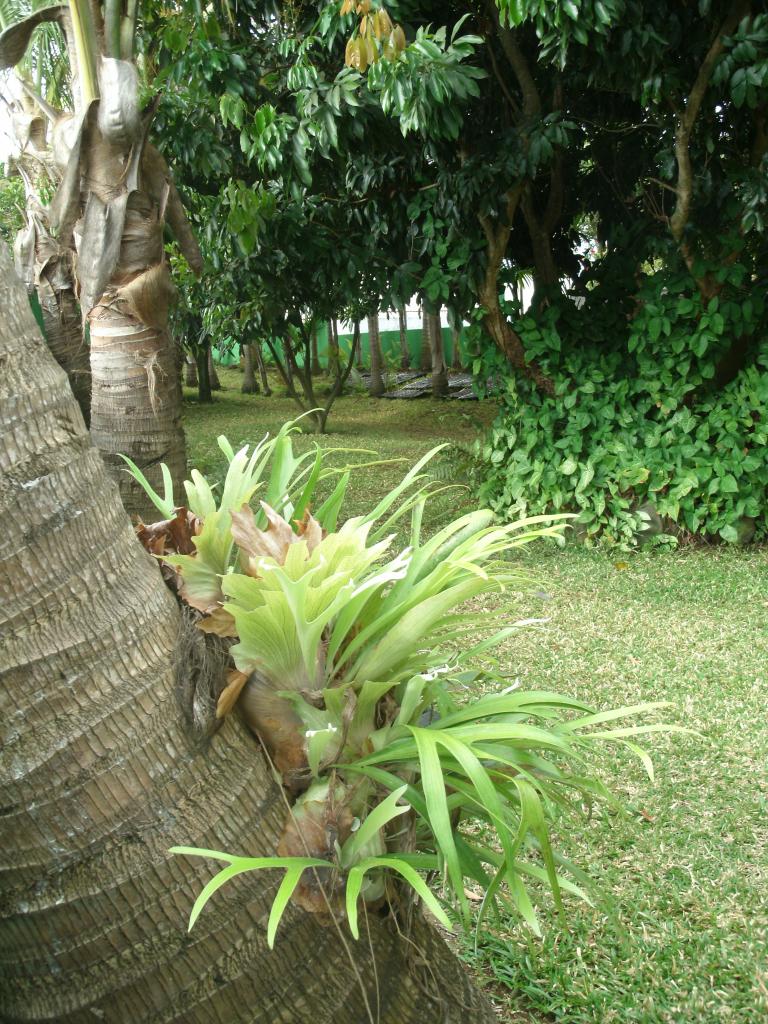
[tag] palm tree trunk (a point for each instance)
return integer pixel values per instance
(250, 385)
(376, 388)
(121, 190)
(46, 267)
(101, 775)
(405, 352)
(136, 402)
(437, 351)
(64, 334)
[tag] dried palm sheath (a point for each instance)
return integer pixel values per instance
(42, 264)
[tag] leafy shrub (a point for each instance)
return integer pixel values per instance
(638, 414)
(354, 666)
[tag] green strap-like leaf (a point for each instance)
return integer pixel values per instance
(164, 505)
(373, 822)
(404, 869)
(433, 786)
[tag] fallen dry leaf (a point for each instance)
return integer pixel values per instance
(219, 622)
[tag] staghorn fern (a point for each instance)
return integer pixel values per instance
(343, 648)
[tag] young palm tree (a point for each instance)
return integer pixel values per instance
(115, 196)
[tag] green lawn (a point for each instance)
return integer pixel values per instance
(681, 931)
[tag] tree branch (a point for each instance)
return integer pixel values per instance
(518, 63)
(687, 120)
(513, 104)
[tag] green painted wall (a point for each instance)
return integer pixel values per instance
(390, 345)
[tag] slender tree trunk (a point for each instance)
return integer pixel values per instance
(546, 276)
(101, 774)
(425, 351)
(437, 349)
(376, 388)
(213, 376)
(250, 386)
(204, 391)
(265, 388)
(359, 365)
(405, 352)
(334, 359)
(288, 360)
(190, 371)
(494, 321)
(455, 348)
(316, 367)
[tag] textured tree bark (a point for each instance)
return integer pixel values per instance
(204, 392)
(359, 365)
(250, 386)
(425, 349)
(405, 352)
(42, 263)
(213, 377)
(113, 201)
(100, 776)
(190, 371)
(316, 367)
(266, 389)
(135, 402)
(455, 348)
(376, 388)
(334, 359)
(439, 372)
(64, 333)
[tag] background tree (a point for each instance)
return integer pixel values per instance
(376, 388)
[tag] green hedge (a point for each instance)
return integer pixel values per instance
(639, 415)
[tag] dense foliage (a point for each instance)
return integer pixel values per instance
(612, 152)
(649, 430)
(340, 158)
